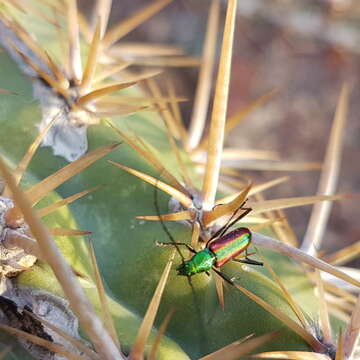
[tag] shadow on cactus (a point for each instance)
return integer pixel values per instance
(50, 324)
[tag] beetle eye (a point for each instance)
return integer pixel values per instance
(182, 269)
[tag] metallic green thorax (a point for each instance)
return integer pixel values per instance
(200, 262)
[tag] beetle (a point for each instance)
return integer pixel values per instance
(221, 248)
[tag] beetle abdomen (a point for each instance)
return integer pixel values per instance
(231, 245)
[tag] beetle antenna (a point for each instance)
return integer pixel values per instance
(224, 277)
(173, 241)
(165, 228)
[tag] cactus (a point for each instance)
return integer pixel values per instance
(123, 170)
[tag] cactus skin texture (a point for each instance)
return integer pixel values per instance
(129, 260)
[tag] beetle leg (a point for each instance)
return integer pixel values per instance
(224, 277)
(249, 261)
(247, 254)
(159, 243)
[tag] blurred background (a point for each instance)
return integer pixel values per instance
(305, 50)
